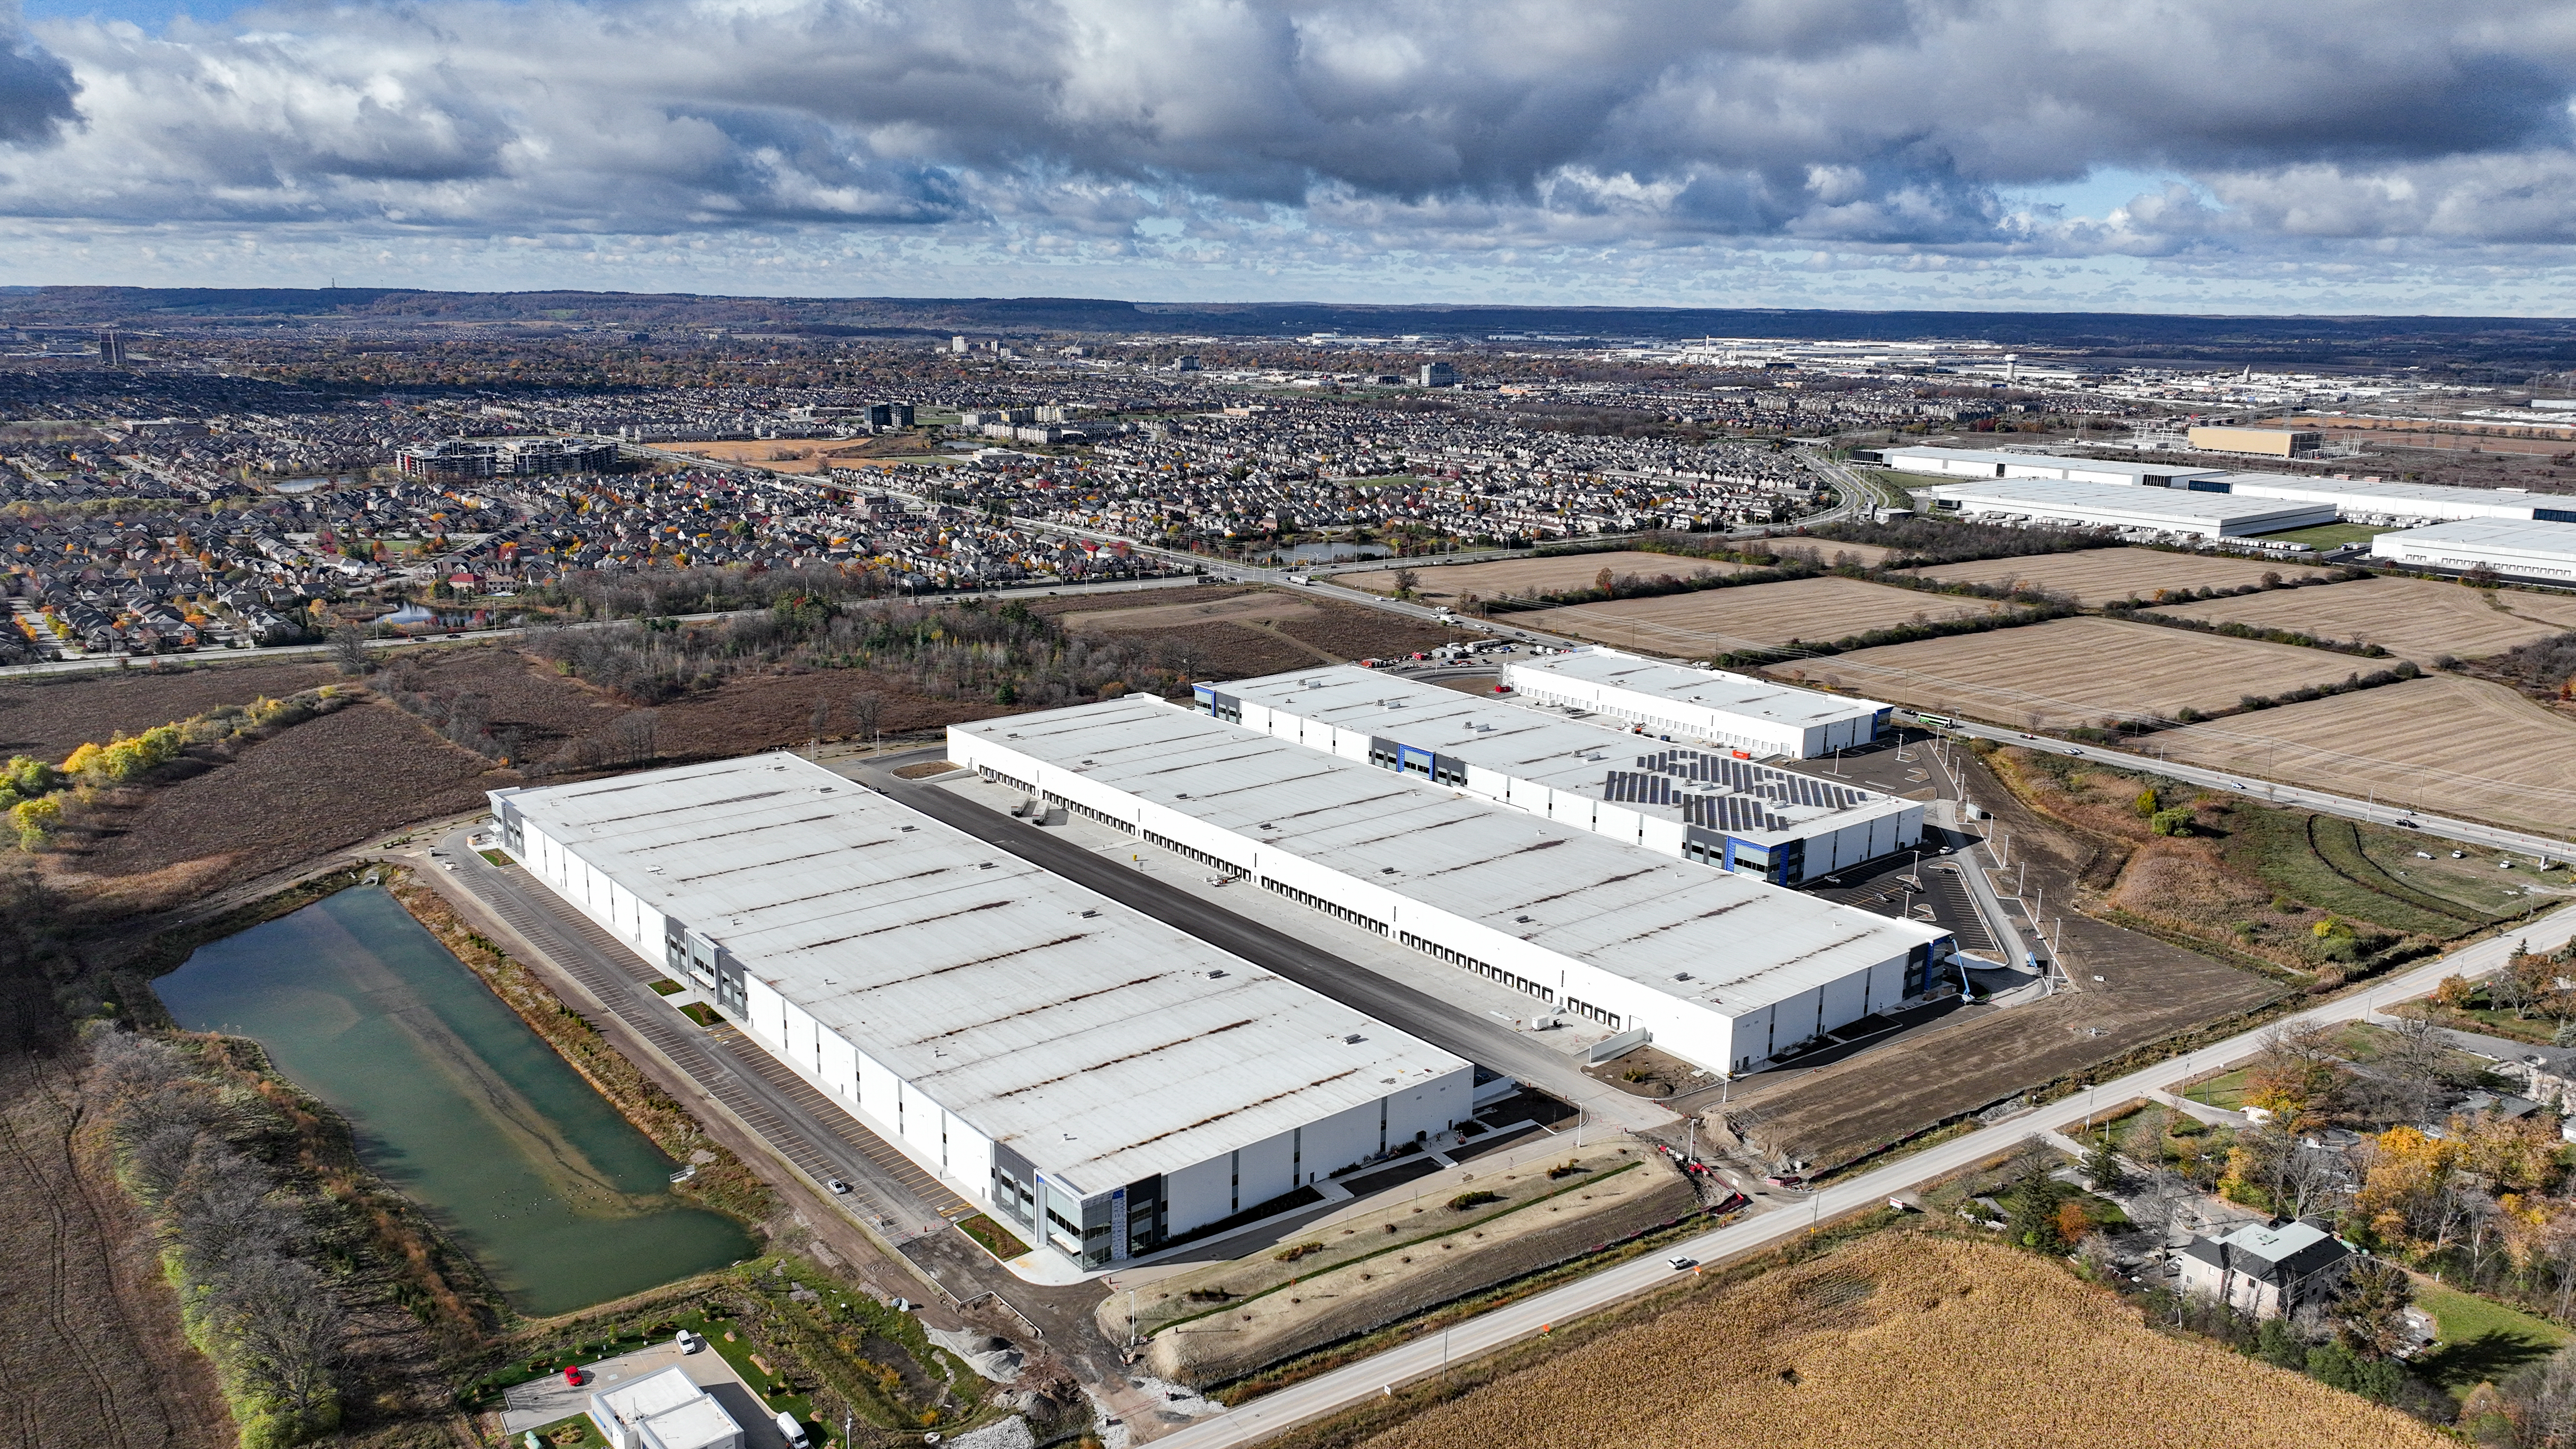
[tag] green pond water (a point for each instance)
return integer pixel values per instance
(455, 1101)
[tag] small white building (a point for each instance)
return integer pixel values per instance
(667, 1410)
(2543, 551)
(1713, 706)
(1715, 806)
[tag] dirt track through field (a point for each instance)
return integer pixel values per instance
(90, 1350)
(1561, 573)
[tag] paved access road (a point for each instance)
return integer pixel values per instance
(2468, 832)
(1446, 1025)
(1369, 1377)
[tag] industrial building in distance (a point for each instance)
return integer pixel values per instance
(2545, 552)
(1718, 807)
(1739, 711)
(2181, 514)
(1725, 971)
(1104, 1081)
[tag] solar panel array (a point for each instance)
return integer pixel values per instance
(1747, 797)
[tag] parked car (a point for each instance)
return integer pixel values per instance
(688, 1342)
(573, 1376)
(837, 1186)
(792, 1431)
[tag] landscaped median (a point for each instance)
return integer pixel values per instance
(1348, 1276)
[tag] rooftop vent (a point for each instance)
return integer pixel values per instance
(906, 829)
(1087, 915)
(1215, 971)
(1386, 870)
(1354, 1039)
(985, 864)
(1524, 920)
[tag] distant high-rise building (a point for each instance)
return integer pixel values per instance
(1439, 374)
(1189, 362)
(888, 415)
(957, 345)
(111, 348)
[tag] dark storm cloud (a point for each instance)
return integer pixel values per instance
(36, 88)
(1871, 123)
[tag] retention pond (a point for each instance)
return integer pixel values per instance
(455, 1101)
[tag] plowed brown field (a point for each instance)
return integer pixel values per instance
(46, 716)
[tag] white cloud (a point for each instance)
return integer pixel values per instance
(1628, 143)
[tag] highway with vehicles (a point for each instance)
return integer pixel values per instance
(1370, 1377)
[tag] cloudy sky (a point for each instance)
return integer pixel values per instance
(2166, 155)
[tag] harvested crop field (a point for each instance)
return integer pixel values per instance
(2077, 671)
(2095, 574)
(47, 715)
(2410, 618)
(778, 455)
(319, 786)
(1755, 616)
(1903, 1340)
(1525, 577)
(2445, 744)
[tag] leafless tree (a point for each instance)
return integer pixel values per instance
(821, 719)
(349, 647)
(637, 732)
(2419, 1063)
(2547, 1418)
(867, 712)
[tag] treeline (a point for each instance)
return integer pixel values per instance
(961, 651)
(2548, 664)
(589, 594)
(1920, 542)
(237, 1238)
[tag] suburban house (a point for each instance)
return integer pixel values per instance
(2267, 1269)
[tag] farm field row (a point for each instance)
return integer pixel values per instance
(1758, 616)
(2095, 574)
(2444, 744)
(2411, 618)
(2075, 671)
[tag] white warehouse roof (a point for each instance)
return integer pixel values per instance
(1102, 1045)
(2390, 500)
(1970, 462)
(1727, 943)
(1709, 689)
(2528, 549)
(1564, 754)
(2107, 506)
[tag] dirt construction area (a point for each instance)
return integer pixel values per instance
(2149, 990)
(1347, 1275)
(2444, 744)
(2410, 618)
(2078, 671)
(2095, 574)
(1756, 616)
(1529, 577)
(1239, 634)
(1902, 1340)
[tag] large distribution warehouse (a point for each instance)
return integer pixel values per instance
(1103, 1080)
(1718, 807)
(2191, 513)
(1725, 971)
(2353, 500)
(1977, 463)
(1739, 711)
(2543, 551)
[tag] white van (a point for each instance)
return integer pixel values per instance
(792, 1432)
